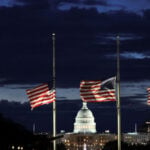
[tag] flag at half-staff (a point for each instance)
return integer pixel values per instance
(41, 95)
(98, 91)
(148, 96)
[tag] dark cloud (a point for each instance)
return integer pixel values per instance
(86, 2)
(34, 2)
(96, 2)
(82, 44)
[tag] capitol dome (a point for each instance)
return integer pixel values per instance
(84, 121)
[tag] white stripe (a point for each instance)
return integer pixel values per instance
(37, 88)
(42, 102)
(96, 95)
(90, 86)
(97, 92)
(96, 88)
(89, 82)
(49, 94)
(30, 94)
(32, 97)
(100, 99)
(42, 98)
(99, 96)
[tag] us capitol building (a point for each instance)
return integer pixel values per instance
(84, 121)
(85, 137)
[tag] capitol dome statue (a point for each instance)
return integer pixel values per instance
(84, 121)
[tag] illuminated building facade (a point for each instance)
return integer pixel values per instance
(136, 138)
(96, 141)
(148, 126)
(84, 121)
(92, 141)
(84, 136)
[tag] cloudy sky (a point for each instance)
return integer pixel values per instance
(86, 33)
(85, 44)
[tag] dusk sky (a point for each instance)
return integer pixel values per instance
(86, 33)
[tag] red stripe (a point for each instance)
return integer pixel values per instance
(148, 89)
(89, 82)
(42, 100)
(41, 89)
(38, 94)
(148, 97)
(94, 86)
(91, 91)
(99, 96)
(37, 87)
(99, 100)
(97, 92)
(41, 104)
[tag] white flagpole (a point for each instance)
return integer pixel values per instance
(54, 103)
(118, 95)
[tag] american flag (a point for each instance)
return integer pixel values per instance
(98, 91)
(148, 97)
(40, 95)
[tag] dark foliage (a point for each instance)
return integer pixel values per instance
(13, 134)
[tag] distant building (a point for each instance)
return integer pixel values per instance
(136, 138)
(148, 126)
(92, 141)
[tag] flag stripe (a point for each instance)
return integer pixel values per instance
(43, 95)
(99, 97)
(106, 93)
(99, 100)
(38, 92)
(94, 91)
(96, 96)
(96, 87)
(37, 88)
(88, 82)
(148, 96)
(41, 100)
(40, 95)
(40, 104)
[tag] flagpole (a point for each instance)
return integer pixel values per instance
(118, 95)
(33, 128)
(54, 86)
